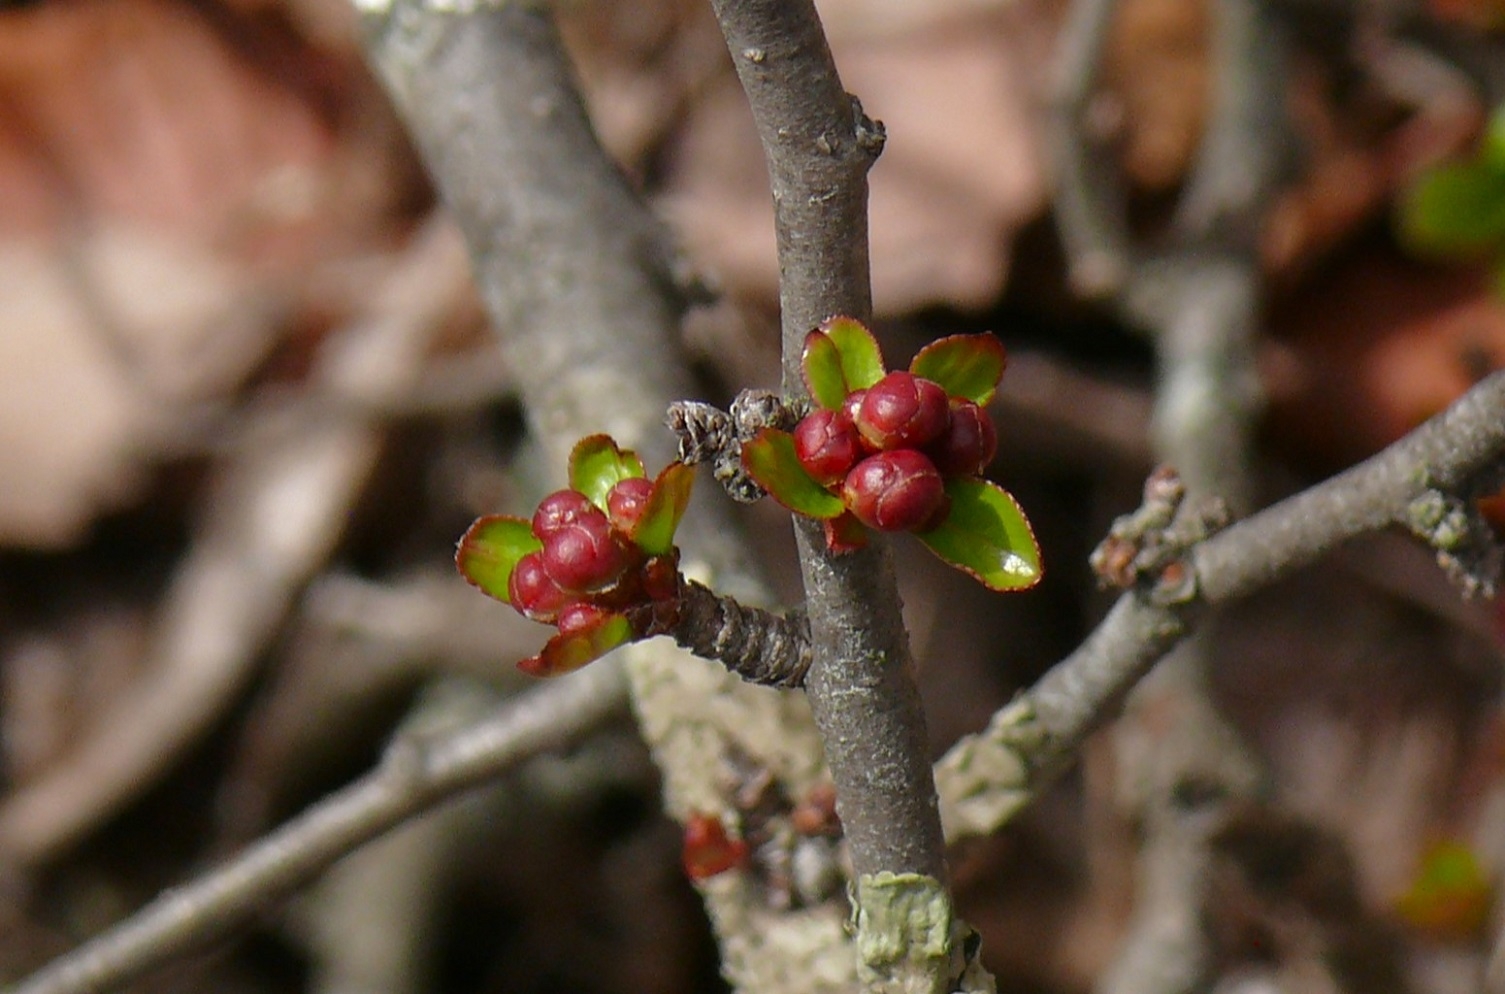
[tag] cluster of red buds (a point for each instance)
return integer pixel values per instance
(890, 447)
(597, 560)
(588, 566)
(900, 451)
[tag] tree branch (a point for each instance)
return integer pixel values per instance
(819, 147)
(757, 645)
(414, 776)
(988, 778)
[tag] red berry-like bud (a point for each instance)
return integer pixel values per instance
(584, 555)
(579, 616)
(560, 508)
(532, 593)
(708, 849)
(895, 491)
(627, 501)
(901, 411)
(852, 403)
(969, 442)
(827, 445)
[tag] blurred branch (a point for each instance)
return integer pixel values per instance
(819, 146)
(414, 776)
(277, 511)
(987, 779)
(1198, 296)
(1090, 210)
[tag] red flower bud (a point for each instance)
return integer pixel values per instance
(852, 403)
(627, 501)
(584, 555)
(560, 508)
(532, 593)
(896, 491)
(969, 442)
(901, 411)
(708, 849)
(579, 616)
(827, 445)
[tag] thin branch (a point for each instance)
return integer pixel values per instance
(1089, 208)
(757, 645)
(986, 779)
(414, 776)
(819, 146)
(1198, 298)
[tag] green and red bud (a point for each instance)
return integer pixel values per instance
(627, 501)
(585, 554)
(827, 445)
(896, 491)
(969, 442)
(901, 411)
(533, 593)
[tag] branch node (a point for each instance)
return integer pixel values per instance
(1147, 547)
(1467, 548)
(709, 434)
(871, 134)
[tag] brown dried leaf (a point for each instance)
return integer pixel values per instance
(959, 176)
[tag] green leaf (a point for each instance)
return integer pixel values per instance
(861, 360)
(986, 534)
(490, 548)
(597, 465)
(566, 653)
(654, 531)
(967, 366)
(1455, 210)
(821, 366)
(840, 356)
(769, 459)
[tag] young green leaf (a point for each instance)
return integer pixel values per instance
(597, 465)
(1455, 210)
(861, 360)
(967, 366)
(986, 535)
(821, 365)
(769, 458)
(566, 653)
(489, 550)
(654, 531)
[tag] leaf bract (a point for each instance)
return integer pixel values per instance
(654, 531)
(597, 464)
(967, 366)
(987, 535)
(489, 550)
(769, 458)
(566, 653)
